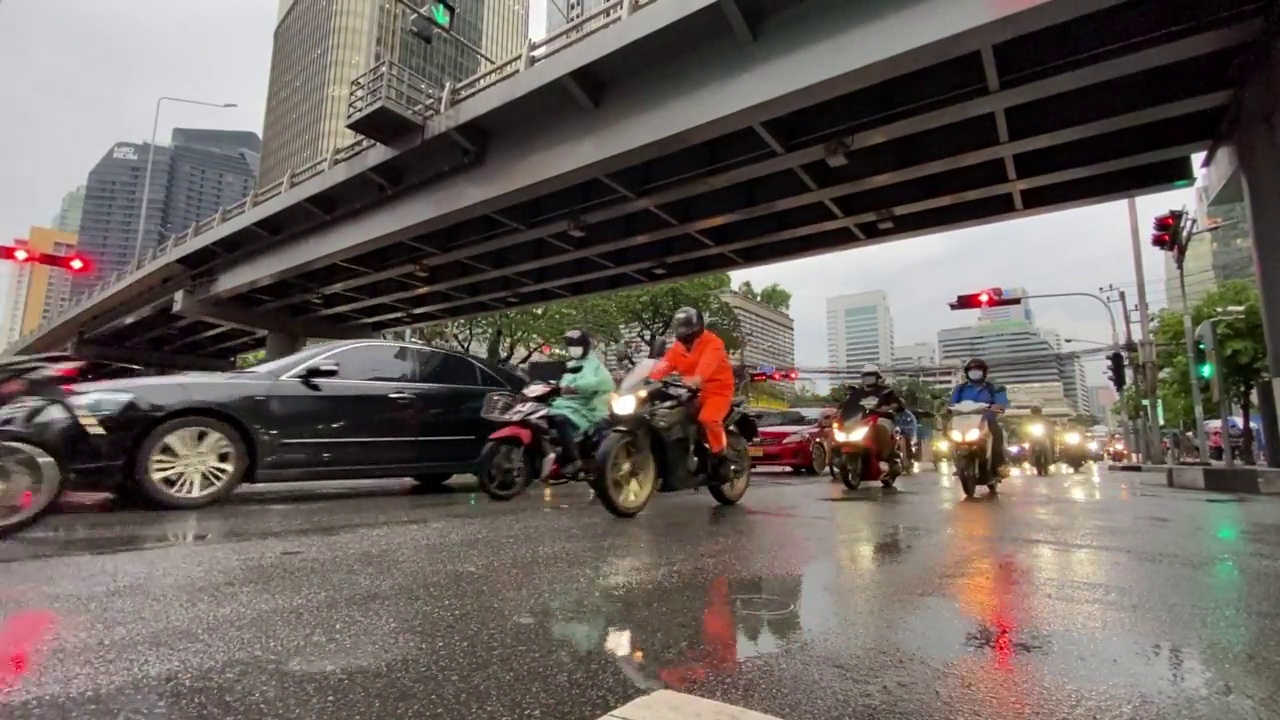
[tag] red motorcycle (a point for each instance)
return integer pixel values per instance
(856, 448)
(518, 452)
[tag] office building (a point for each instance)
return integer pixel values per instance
(768, 336)
(189, 183)
(68, 217)
(1002, 313)
(39, 291)
(562, 12)
(322, 45)
(859, 330)
(915, 355)
(1102, 403)
(1019, 354)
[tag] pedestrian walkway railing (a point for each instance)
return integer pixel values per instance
(365, 90)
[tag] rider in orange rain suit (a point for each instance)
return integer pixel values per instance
(700, 358)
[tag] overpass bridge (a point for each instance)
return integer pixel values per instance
(669, 138)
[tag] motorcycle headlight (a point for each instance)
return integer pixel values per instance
(1092, 445)
(1072, 438)
(1037, 430)
(943, 445)
(858, 434)
(623, 404)
(839, 435)
(972, 435)
(100, 403)
(957, 436)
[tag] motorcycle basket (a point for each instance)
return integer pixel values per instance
(498, 406)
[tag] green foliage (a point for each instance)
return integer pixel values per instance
(918, 395)
(249, 359)
(649, 311)
(1085, 420)
(772, 295)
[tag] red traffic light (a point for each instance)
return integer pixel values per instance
(71, 263)
(21, 255)
(17, 254)
(1168, 231)
(984, 298)
(987, 298)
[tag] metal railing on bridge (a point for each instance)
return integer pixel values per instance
(381, 83)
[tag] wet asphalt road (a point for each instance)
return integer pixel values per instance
(1071, 596)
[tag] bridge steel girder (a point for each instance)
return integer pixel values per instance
(821, 50)
(150, 358)
(187, 305)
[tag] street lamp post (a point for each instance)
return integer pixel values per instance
(151, 155)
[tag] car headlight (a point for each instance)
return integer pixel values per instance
(858, 434)
(1092, 445)
(623, 404)
(1072, 438)
(100, 402)
(839, 435)
(972, 435)
(1037, 430)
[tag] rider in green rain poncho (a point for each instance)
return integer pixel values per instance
(583, 403)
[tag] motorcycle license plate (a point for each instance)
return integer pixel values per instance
(755, 451)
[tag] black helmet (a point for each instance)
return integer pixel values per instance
(578, 339)
(976, 364)
(687, 324)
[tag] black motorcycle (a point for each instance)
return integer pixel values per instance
(656, 445)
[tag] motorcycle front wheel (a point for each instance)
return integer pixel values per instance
(30, 483)
(851, 470)
(506, 469)
(626, 477)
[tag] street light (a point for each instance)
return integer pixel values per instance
(151, 155)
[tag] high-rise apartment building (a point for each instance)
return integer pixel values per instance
(1212, 258)
(189, 183)
(915, 355)
(39, 291)
(563, 12)
(68, 217)
(1019, 354)
(322, 45)
(859, 330)
(768, 336)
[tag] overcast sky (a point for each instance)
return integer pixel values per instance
(80, 75)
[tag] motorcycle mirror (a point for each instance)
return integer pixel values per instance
(623, 356)
(658, 348)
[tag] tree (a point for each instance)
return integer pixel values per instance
(516, 335)
(773, 295)
(918, 395)
(1086, 420)
(251, 358)
(646, 314)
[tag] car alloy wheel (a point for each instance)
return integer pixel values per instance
(192, 462)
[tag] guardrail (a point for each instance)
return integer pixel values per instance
(364, 90)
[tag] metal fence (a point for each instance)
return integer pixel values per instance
(366, 89)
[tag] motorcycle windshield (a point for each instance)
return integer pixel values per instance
(638, 375)
(965, 423)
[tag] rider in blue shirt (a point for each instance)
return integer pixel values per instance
(905, 421)
(977, 388)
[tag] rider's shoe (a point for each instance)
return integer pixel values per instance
(548, 466)
(1003, 471)
(570, 472)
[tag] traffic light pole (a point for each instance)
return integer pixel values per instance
(1197, 400)
(1146, 356)
(1136, 438)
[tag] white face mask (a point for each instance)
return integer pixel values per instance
(975, 375)
(577, 353)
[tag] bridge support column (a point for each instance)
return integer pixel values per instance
(1257, 146)
(280, 344)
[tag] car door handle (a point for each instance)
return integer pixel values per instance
(400, 396)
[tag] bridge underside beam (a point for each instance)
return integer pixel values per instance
(188, 305)
(150, 358)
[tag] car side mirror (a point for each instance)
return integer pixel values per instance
(321, 370)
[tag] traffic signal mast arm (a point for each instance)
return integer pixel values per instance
(74, 263)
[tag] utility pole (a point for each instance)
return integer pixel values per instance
(1139, 437)
(1146, 349)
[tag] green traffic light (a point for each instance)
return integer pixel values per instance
(1205, 371)
(442, 15)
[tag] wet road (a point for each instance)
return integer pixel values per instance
(1071, 596)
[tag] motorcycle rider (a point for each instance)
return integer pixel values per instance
(887, 405)
(977, 388)
(1050, 429)
(909, 428)
(700, 358)
(582, 405)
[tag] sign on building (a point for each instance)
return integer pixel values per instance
(124, 152)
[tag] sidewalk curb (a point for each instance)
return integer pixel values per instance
(1243, 480)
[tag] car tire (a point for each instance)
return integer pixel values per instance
(817, 459)
(433, 481)
(231, 452)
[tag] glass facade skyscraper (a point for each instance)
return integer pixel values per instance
(322, 45)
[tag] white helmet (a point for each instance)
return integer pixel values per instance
(871, 369)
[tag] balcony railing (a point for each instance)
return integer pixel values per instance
(366, 90)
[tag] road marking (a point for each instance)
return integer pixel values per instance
(671, 705)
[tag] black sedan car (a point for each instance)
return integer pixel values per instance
(351, 409)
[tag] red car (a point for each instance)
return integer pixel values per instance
(791, 438)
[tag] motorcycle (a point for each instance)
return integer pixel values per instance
(973, 448)
(857, 448)
(31, 480)
(906, 451)
(1039, 451)
(1073, 450)
(1116, 452)
(656, 445)
(941, 452)
(525, 443)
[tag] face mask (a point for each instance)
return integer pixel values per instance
(577, 353)
(975, 375)
(868, 380)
